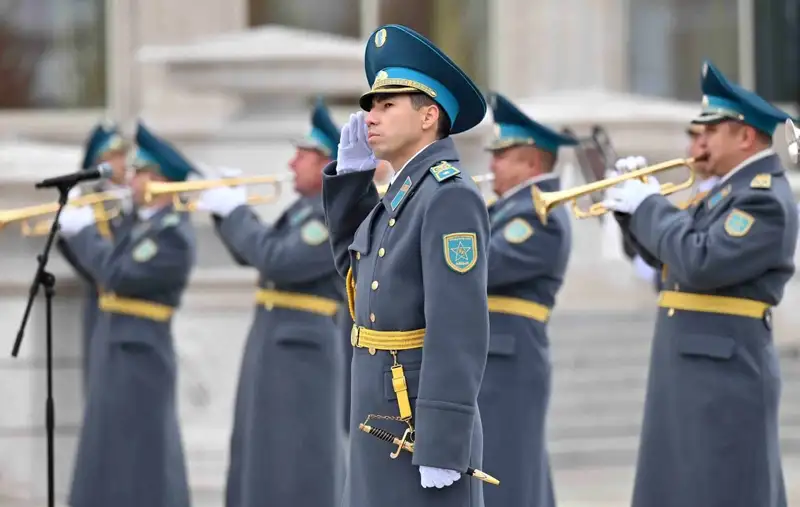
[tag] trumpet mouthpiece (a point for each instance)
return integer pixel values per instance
(702, 158)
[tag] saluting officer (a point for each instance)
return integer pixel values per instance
(104, 145)
(527, 264)
(287, 422)
(710, 433)
(383, 175)
(130, 451)
(415, 263)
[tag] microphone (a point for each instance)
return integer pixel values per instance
(101, 172)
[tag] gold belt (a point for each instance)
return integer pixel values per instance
(112, 303)
(520, 307)
(712, 304)
(296, 301)
(391, 341)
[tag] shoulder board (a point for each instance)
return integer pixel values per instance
(444, 171)
(170, 220)
(763, 180)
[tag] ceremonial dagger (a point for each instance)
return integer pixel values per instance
(409, 446)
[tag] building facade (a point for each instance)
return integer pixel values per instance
(66, 63)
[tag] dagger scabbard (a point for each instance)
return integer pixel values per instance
(409, 446)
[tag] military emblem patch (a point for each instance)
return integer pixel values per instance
(761, 181)
(716, 198)
(461, 251)
(145, 250)
(517, 231)
(401, 194)
(443, 171)
(738, 223)
(314, 233)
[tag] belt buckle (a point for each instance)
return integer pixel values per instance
(354, 336)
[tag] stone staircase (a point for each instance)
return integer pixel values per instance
(600, 363)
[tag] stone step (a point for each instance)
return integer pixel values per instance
(627, 423)
(577, 453)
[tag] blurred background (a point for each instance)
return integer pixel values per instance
(230, 82)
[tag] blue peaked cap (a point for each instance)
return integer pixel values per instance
(399, 60)
(324, 135)
(103, 139)
(723, 100)
(512, 127)
(153, 151)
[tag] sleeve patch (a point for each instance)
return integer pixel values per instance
(738, 223)
(145, 250)
(443, 171)
(314, 233)
(461, 251)
(517, 231)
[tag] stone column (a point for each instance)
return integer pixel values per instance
(541, 46)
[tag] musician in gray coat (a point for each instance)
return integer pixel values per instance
(130, 451)
(415, 264)
(710, 433)
(286, 446)
(527, 264)
(105, 145)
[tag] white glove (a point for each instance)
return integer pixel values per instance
(437, 477)
(628, 164)
(74, 219)
(643, 270)
(355, 153)
(628, 195)
(222, 200)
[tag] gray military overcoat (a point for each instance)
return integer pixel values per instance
(286, 444)
(89, 309)
(527, 261)
(130, 451)
(710, 434)
(419, 260)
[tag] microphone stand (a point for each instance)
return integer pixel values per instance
(46, 280)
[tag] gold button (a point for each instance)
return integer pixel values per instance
(375, 285)
(372, 317)
(358, 256)
(381, 252)
(392, 221)
(372, 351)
(671, 312)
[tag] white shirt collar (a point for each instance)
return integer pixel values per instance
(147, 213)
(525, 184)
(758, 156)
(397, 173)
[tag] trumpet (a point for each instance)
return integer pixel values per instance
(158, 188)
(544, 202)
(27, 213)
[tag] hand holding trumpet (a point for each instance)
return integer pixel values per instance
(628, 195)
(223, 200)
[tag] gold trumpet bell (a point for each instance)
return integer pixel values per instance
(544, 202)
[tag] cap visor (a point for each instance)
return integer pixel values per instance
(366, 100)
